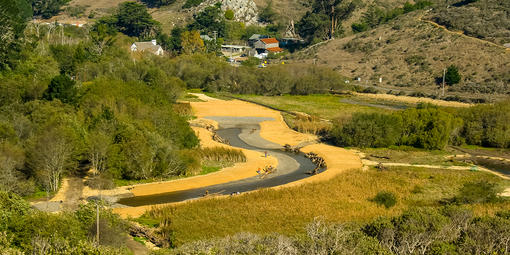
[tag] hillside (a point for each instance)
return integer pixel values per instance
(409, 54)
(485, 19)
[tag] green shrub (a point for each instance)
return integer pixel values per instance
(369, 130)
(386, 198)
(452, 75)
(229, 14)
(61, 87)
(478, 192)
(191, 3)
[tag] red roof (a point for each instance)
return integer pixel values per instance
(269, 40)
(275, 49)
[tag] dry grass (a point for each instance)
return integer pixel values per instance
(311, 127)
(411, 156)
(414, 100)
(343, 198)
(221, 154)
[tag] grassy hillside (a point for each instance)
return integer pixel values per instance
(485, 19)
(409, 54)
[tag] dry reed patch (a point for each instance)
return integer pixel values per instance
(344, 198)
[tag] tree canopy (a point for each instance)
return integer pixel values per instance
(133, 19)
(14, 15)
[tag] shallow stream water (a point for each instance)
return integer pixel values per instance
(241, 132)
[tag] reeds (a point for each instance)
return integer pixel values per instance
(220, 154)
(312, 127)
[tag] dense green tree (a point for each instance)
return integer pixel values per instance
(47, 8)
(452, 75)
(14, 15)
(209, 20)
(12, 159)
(314, 27)
(102, 37)
(52, 154)
(369, 130)
(487, 125)
(61, 87)
(324, 21)
(158, 3)
(428, 128)
(134, 20)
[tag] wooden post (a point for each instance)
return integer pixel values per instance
(444, 76)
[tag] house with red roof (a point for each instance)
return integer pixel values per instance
(268, 45)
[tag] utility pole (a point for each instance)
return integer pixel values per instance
(97, 223)
(444, 76)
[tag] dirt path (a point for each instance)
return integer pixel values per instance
(367, 163)
(413, 100)
(136, 247)
(73, 193)
(204, 97)
(420, 18)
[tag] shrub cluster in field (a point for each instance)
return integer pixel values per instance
(451, 230)
(376, 16)
(26, 230)
(214, 75)
(427, 127)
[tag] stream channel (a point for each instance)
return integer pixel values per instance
(241, 132)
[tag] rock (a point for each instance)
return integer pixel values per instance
(244, 10)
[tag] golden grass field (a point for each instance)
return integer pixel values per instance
(344, 198)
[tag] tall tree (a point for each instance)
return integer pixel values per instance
(134, 20)
(63, 88)
(11, 159)
(102, 37)
(52, 154)
(191, 42)
(209, 20)
(14, 15)
(47, 8)
(334, 10)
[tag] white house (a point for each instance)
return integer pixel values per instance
(151, 47)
